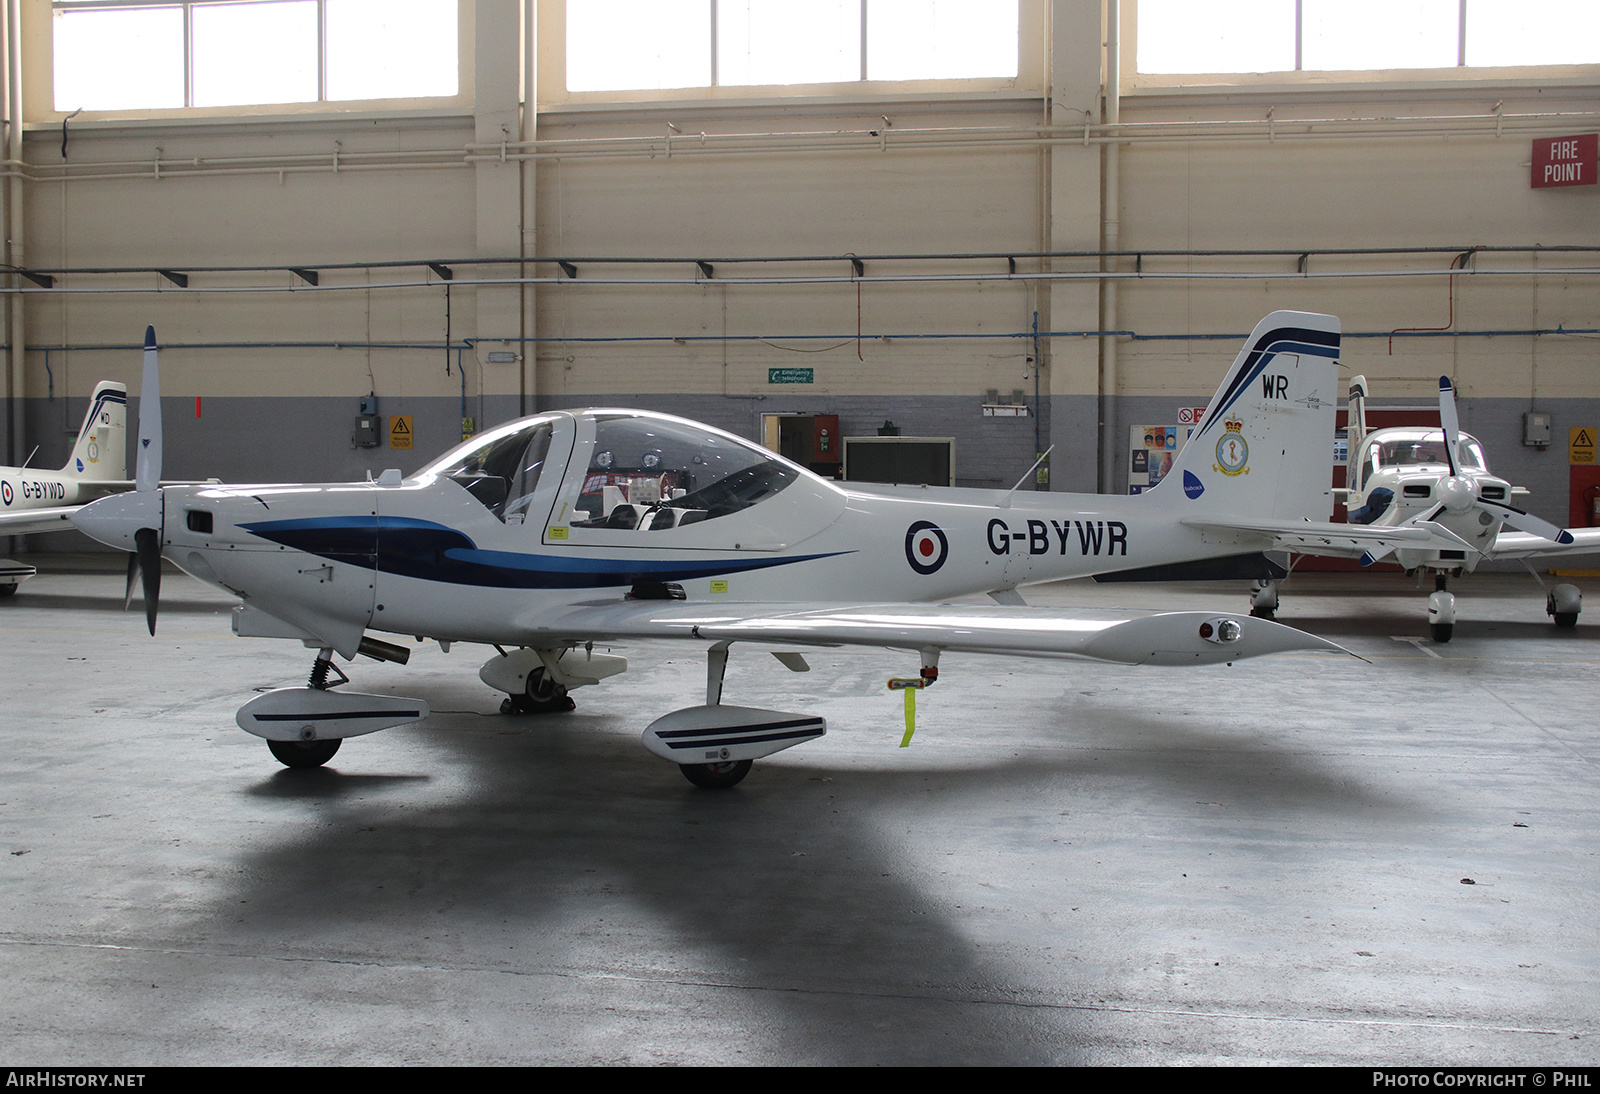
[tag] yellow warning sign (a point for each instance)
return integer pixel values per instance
(400, 431)
(1580, 444)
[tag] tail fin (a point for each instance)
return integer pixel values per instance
(1265, 445)
(101, 452)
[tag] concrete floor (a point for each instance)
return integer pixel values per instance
(1073, 863)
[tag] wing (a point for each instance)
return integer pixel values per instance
(1585, 541)
(1168, 638)
(23, 521)
(1341, 540)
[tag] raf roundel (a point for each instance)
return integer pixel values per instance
(926, 547)
(5, 492)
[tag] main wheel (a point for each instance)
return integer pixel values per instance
(8, 590)
(1565, 619)
(304, 753)
(1442, 631)
(1264, 613)
(716, 776)
(543, 696)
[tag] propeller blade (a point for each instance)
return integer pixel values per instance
(1376, 554)
(149, 560)
(147, 474)
(133, 579)
(1524, 521)
(1448, 419)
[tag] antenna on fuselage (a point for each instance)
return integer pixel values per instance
(1006, 501)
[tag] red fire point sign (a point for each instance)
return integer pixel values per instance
(1566, 161)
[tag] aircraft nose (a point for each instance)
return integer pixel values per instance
(114, 520)
(1458, 494)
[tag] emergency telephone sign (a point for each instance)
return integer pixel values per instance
(1566, 161)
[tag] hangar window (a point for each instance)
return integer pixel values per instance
(1176, 37)
(218, 53)
(633, 45)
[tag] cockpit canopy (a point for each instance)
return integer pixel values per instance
(653, 473)
(640, 471)
(1418, 450)
(501, 468)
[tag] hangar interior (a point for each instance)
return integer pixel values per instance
(1037, 257)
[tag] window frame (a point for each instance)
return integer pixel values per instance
(1030, 80)
(1459, 75)
(38, 26)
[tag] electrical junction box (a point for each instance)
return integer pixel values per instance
(1536, 428)
(368, 431)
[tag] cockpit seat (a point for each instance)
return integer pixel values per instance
(623, 516)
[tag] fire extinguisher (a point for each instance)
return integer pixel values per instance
(1591, 505)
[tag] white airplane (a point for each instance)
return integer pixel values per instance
(1404, 478)
(566, 529)
(35, 500)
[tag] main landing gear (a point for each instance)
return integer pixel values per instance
(715, 745)
(1562, 604)
(718, 776)
(1264, 599)
(721, 774)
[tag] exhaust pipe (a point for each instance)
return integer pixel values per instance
(380, 650)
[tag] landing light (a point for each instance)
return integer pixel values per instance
(1221, 630)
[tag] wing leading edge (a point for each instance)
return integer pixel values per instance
(1167, 638)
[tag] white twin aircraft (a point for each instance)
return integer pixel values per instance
(555, 532)
(35, 500)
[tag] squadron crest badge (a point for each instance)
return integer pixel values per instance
(1233, 451)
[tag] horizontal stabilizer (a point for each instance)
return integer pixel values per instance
(1348, 540)
(25, 521)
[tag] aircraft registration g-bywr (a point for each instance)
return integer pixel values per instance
(1401, 479)
(564, 529)
(36, 500)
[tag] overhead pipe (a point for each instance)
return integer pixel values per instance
(1087, 275)
(569, 264)
(820, 141)
(844, 339)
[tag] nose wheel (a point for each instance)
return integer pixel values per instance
(542, 696)
(1441, 611)
(301, 754)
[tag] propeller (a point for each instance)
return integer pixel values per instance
(146, 558)
(1460, 492)
(134, 521)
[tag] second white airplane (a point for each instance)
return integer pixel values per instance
(37, 500)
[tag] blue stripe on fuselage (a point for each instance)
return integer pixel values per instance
(407, 547)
